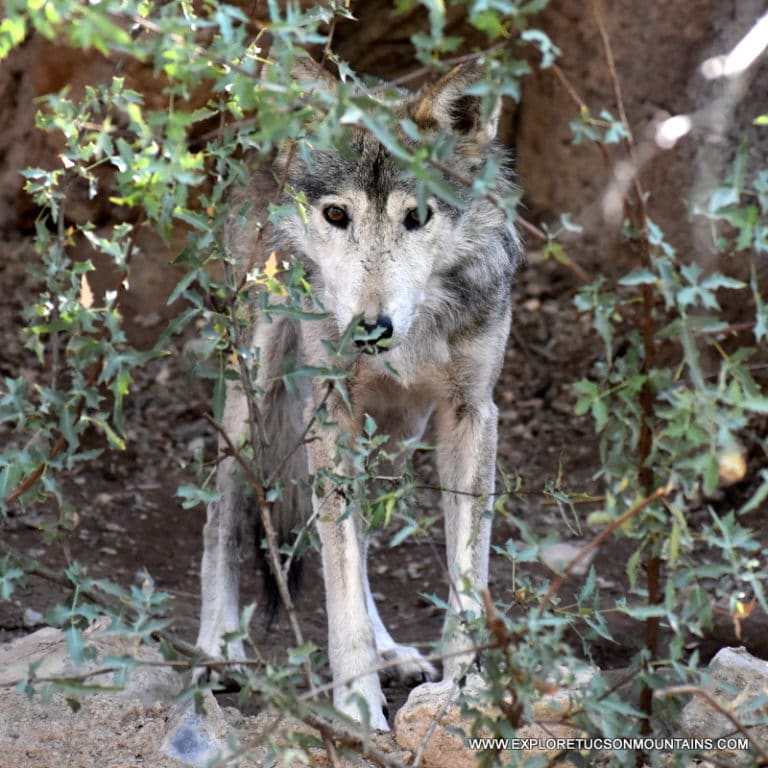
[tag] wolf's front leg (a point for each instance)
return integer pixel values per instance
(223, 545)
(467, 464)
(351, 643)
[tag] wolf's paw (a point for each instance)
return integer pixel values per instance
(405, 664)
(218, 650)
(362, 700)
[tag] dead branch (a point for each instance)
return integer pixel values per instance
(598, 540)
(693, 690)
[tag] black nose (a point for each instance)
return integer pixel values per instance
(376, 333)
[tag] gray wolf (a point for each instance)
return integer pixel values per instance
(435, 287)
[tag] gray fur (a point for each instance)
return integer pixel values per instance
(446, 287)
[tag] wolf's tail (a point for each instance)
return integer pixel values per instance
(285, 464)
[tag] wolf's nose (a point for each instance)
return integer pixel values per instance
(377, 334)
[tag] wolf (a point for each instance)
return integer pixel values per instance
(431, 287)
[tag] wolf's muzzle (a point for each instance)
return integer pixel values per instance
(374, 337)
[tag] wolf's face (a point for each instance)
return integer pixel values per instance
(375, 255)
(372, 253)
(373, 250)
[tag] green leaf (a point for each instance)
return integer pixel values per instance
(640, 276)
(114, 439)
(13, 30)
(759, 496)
(194, 495)
(642, 612)
(600, 413)
(589, 586)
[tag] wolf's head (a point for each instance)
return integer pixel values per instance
(371, 252)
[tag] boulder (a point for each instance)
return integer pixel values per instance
(431, 724)
(140, 724)
(738, 682)
(68, 728)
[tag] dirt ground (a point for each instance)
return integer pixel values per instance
(130, 520)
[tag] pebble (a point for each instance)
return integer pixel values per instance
(532, 305)
(31, 617)
(557, 556)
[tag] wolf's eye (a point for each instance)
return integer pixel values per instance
(336, 215)
(412, 220)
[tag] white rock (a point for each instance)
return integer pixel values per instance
(739, 683)
(197, 739)
(557, 556)
(430, 722)
(32, 618)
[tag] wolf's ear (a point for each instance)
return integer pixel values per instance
(446, 105)
(310, 74)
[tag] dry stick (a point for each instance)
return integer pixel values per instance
(582, 105)
(348, 737)
(594, 544)
(569, 89)
(152, 663)
(412, 75)
(58, 446)
(581, 498)
(597, 541)
(303, 438)
(724, 711)
(639, 213)
(340, 732)
(436, 720)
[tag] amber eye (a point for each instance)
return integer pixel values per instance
(412, 220)
(336, 215)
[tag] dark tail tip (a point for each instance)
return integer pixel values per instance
(271, 600)
(271, 594)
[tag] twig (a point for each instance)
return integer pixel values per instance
(569, 89)
(330, 748)
(497, 202)
(694, 690)
(59, 445)
(302, 438)
(92, 378)
(578, 498)
(348, 737)
(532, 229)
(444, 707)
(597, 541)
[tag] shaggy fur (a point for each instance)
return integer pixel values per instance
(440, 290)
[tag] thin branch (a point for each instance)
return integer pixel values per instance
(678, 690)
(436, 720)
(598, 540)
(92, 377)
(569, 89)
(497, 202)
(347, 736)
(639, 216)
(303, 438)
